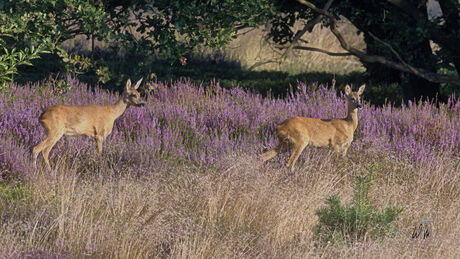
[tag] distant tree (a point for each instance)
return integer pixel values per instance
(31, 27)
(174, 28)
(406, 27)
(397, 32)
(57, 20)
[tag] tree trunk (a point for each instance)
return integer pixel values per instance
(423, 57)
(452, 22)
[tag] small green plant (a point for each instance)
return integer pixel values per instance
(10, 192)
(357, 221)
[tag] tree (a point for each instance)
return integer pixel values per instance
(401, 45)
(29, 28)
(405, 26)
(397, 33)
(57, 20)
(12, 53)
(175, 28)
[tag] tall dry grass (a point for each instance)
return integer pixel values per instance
(253, 47)
(249, 210)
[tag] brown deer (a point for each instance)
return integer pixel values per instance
(298, 132)
(92, 120)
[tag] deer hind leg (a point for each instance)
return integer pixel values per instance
(51, 140)
(270, 154)
(283, 146)
(295, 154)
(299, 145)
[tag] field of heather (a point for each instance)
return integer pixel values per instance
(182, 176)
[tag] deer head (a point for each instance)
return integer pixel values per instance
(131, 96)
(354, 98)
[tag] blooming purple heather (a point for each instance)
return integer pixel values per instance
(203, 124)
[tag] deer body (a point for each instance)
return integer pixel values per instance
(92, 120)
(298, 132)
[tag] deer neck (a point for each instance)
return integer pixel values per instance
(352, 117)
(119, 108)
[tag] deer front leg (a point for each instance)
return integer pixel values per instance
(341, 151)
(99, 140)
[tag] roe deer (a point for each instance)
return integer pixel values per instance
(92, 120)
(298, 132)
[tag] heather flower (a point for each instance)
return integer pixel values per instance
(204, 124)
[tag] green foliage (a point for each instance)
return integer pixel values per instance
(358, 221)
(74, 63)
(175, 28)
(56, 20)
(45, 24)
(10, 193)
(147, 31)
(11, 59)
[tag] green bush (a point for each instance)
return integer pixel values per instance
(10, 60)
(10, 193)
(358, 221)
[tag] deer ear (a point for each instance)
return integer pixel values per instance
(128, 84)
(138, 83)
(361, 89)
(347, 90)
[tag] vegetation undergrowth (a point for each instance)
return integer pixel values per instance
(356, 222)
(230, 74)
(182, 177)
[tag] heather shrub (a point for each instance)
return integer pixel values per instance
(358, 221)
(203, 124)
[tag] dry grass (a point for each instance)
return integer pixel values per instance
(252, 47)
(249, 210)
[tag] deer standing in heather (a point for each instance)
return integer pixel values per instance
(298, 132)
(91, 120)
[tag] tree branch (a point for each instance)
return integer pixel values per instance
(260, 63)
(335, 54)
(308, 27)
(246, 32)
(403, 67)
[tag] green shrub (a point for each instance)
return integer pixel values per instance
(10, 193)
(11, 59)
(357, 221)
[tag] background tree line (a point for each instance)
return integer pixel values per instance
(397, 34)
